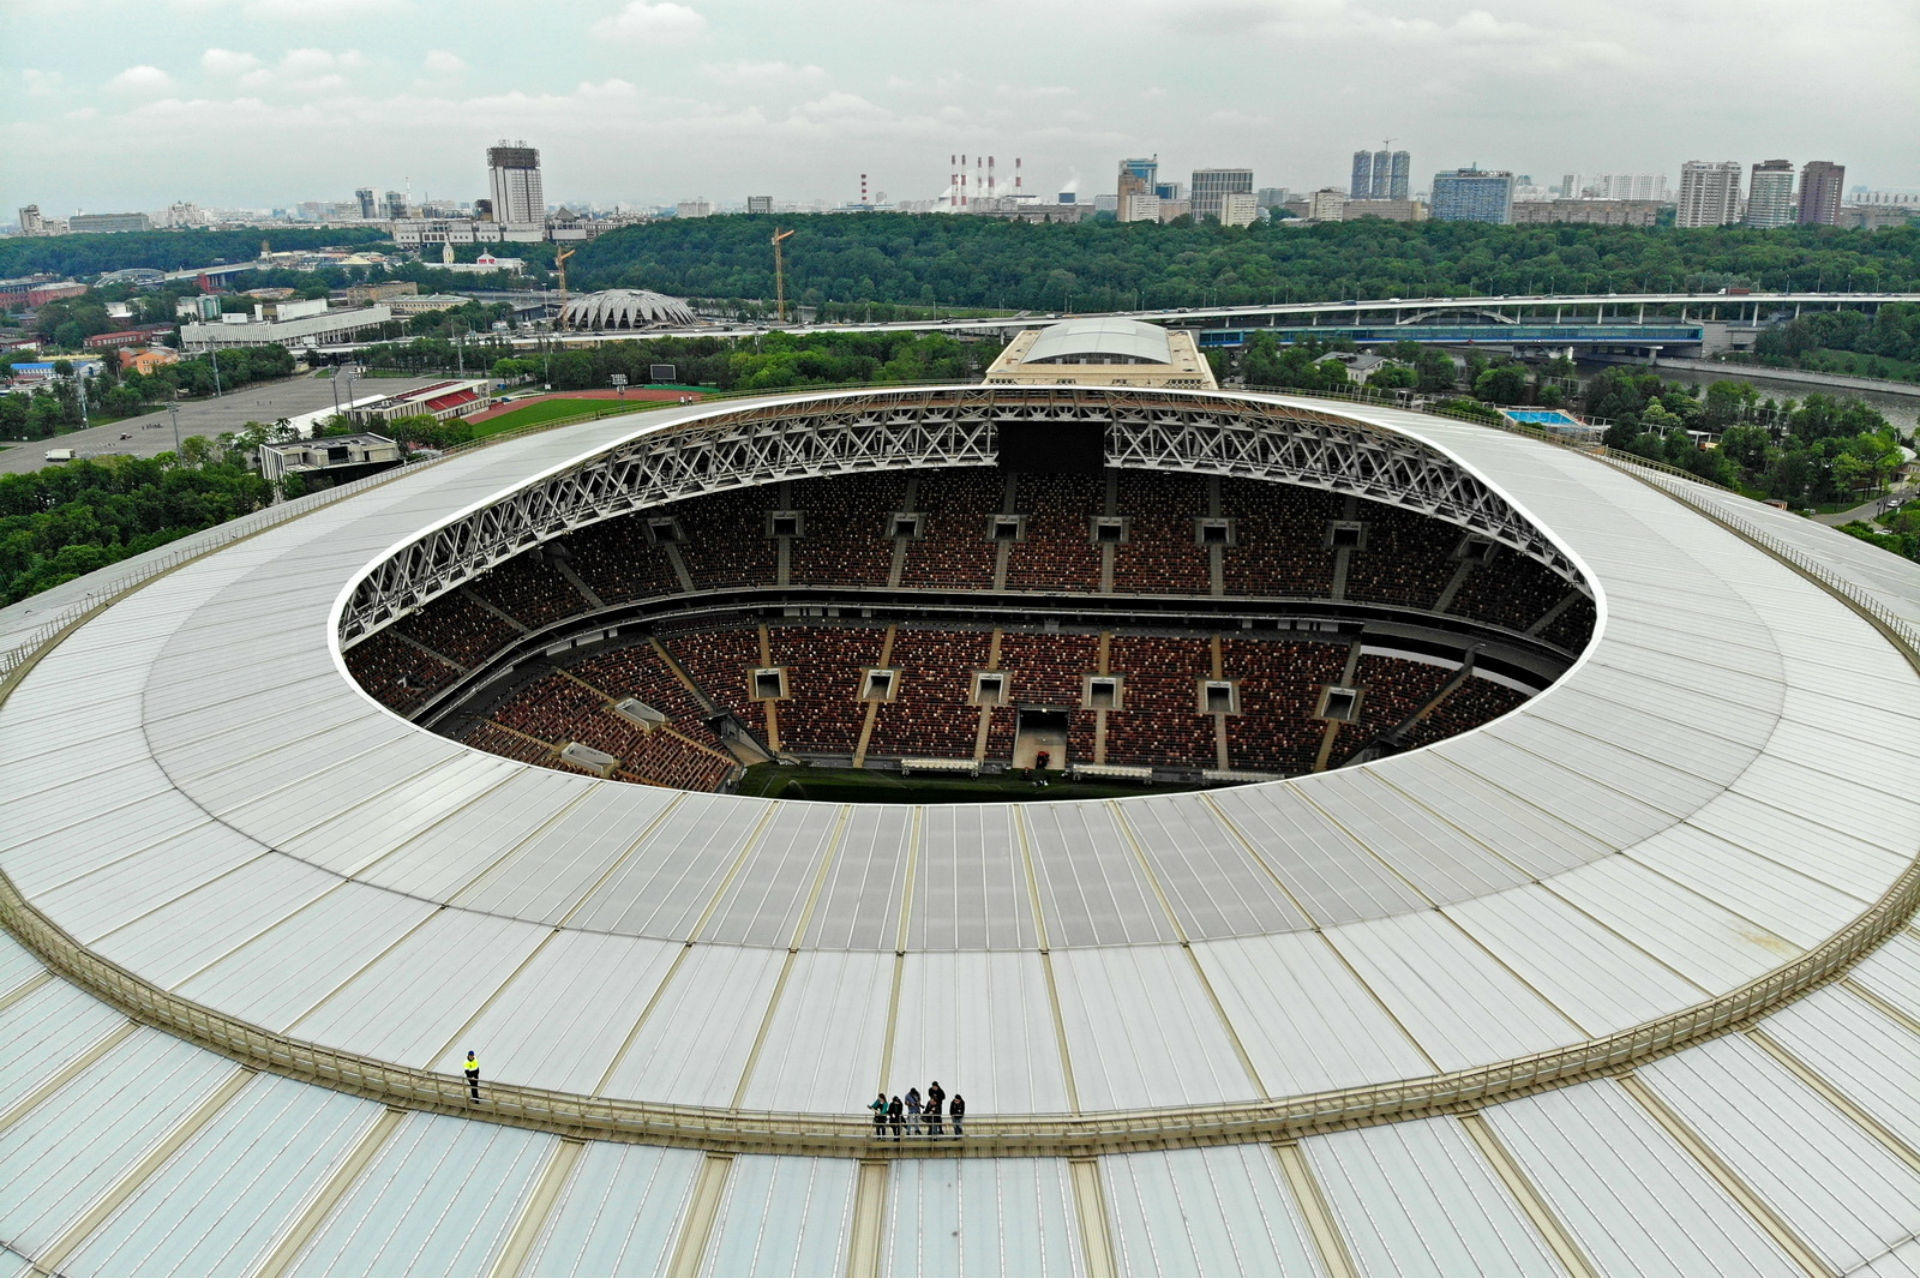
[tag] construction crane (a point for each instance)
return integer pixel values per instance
(560, 261)
(779, 275)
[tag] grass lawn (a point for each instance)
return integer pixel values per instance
(548, 410)
(855, 785)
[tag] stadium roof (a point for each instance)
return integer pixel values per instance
(213, 830)
(1118, 340)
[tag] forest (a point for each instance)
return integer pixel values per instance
(1104, 265)
(84, 255)
(62, 521)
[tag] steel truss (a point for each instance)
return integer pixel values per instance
(887, 430)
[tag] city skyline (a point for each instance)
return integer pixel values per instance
(265, 103)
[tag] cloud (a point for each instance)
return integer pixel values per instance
(142, 79)
(645, 22)
(440, 62)
(227, 62)
(305, 71)
(749, 74)
(41, 84)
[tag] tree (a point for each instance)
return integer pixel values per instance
(1505, 384)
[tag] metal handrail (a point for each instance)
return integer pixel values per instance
(736, 1130)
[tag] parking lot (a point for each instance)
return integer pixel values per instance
(152, 433)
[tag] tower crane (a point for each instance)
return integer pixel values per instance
(560, 261)
(779, 275)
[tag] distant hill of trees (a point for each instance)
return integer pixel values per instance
(83, 255)
(965, 261)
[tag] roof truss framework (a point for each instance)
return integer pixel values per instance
(846, 434)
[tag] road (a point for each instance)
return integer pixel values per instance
(152, 433)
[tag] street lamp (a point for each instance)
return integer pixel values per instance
(173, 411)
(619, 381)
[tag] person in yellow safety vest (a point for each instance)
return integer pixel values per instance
(473, 1076)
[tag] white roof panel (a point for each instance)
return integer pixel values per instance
(782, 1216)
(619, 1213)
(1225, 1211)
(979, 1216)
(982, 1025)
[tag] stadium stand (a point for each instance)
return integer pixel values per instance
(617, 562)
(457, 627)
(1161, 553)
(1393, 690)
(396, 673)
(953, 549)
(1401, 560)
(718, 661)
(1279, 682)
(847, 540)
(1508, 590)
(726, 538)
(933, 716)
(1473, 703)
(823, 712)
(1058, 551)
(531, 590)
(1572, 628)
(1160, 721)
(1280, 539)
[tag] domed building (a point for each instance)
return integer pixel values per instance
(618, 308)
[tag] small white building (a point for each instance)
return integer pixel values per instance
(312, 329)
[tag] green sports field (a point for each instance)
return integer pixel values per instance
(548, 410)
(855, 785)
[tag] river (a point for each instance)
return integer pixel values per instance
(1902, 410)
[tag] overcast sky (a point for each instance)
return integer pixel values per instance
(110, 105)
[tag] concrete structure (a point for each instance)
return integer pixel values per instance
(361, 294)
(1171, 209)
(1102, 352)
(626, 308)
(108, 223)
(1770, 200)
(693, 208)
(1385, 210)
(1709, 193)
(1820, 185)
(759, 204)
(513, 184)
(1212, 186)
(1620, 984)
(368, 205)
(487, 264)
(1588, 212)
(425, 303)
(1272, 197)
(1327, 204)
(1240, 208)
(320, 329)
(31, 223)
(1472, 195)
(345, 456)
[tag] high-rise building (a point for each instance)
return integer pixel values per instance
(1239, 208)
(513, 174)
(1770, 194)
(1382, 175)
(1271, 197)
(1170, 190)
(1326, 205)
(1135, 198)
(108, 223)
(31, 223)
(1211, 186)
(1473, 195)
(369, 207)
(759, 204)
(1399, 180)
(395, 206)
(1820, 185)
(1360, 187)
(1709, 193)
(1147, 170)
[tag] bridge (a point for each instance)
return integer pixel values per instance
(1624, 311)
(1636, 337)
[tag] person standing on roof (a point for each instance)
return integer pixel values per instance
(959, 1111)
(913, 1111)
(936, 1095)
(879, 1107)
(894, 1112)
(472, 1067)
